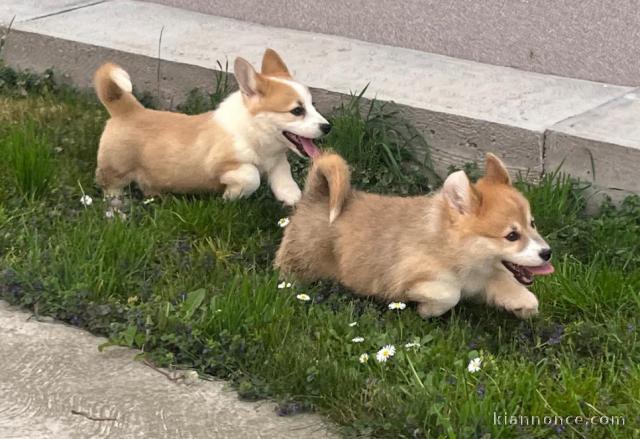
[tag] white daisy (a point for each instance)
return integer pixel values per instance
(387, 351)
(109, 214)
(86, 200)
(283, 284)
(363, 358)
(357, 339)
(474, 365)
(283, 222)
(303, 297)
(352, 324)
(412, 345)
(397, 305)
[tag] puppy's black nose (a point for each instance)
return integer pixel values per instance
(325, 127)
(545, 254)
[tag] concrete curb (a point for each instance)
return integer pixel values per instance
(601, 146)
(56, 384)
(463, 108)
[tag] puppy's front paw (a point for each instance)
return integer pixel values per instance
(289, 195)
(524, 307)
(232, 192)
(428, 310)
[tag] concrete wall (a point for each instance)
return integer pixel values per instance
(587, 39)
(535, 122)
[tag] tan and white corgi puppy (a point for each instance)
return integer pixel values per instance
(464, 240)
(225, 150)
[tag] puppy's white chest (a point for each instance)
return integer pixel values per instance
(474, 280)
(245, 152)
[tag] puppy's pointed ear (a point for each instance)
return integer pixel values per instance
(247, 77)
(272, 64)
(495, 171)
(459, 193)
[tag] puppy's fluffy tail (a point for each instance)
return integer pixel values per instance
(113, 87)
(329, 177)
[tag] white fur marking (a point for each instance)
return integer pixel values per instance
(282, 184)
(333, 214)
(434, 298)
(241, 182)
(122, 79)
(530, 255)
(309, 125)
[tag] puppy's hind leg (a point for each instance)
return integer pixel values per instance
(111, 182)
(240, 182)
(434, 298)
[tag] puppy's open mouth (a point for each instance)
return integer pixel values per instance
(525, 275)
(304, 145)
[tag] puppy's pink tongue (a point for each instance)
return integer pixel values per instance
(309, 147)
(541, 270)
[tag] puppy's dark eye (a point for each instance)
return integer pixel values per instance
(533, 224)
(513, 236)
(298, 111)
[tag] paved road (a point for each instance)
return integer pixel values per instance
(48, 371)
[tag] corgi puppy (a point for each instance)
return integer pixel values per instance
(225, 150)
(464, 240)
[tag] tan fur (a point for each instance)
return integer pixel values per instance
(164, 152)
(272, 65)
(112, 97)
(329, 177)
(223, 150)
(418, 249)
(278, 97)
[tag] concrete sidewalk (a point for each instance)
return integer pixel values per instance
(53, 380)
(533, 121)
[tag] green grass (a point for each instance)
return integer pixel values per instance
(198, 101)
(27, 159)
(378, 143)
(189, 280)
